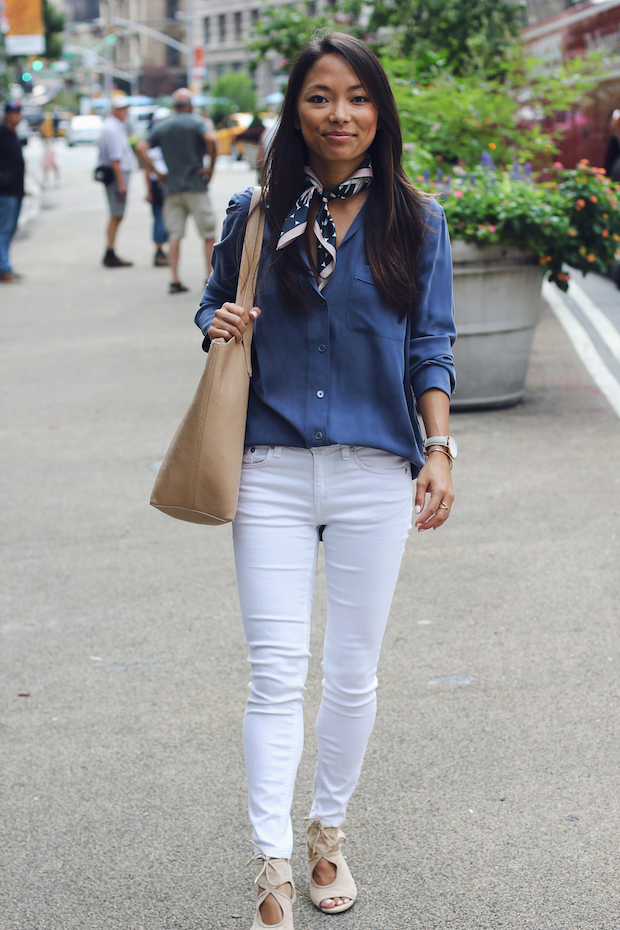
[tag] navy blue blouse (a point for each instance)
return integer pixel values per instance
(340, 373)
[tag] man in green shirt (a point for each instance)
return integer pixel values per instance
(184, 141)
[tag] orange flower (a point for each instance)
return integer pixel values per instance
(616, 237)
(572, 232)
(605, 233)
(605, 216)
(580, 204)
(583, 250)
(545, 259)
(583, 163)
(487, 121)
(594, 198)
(492, 146)
(590, 257)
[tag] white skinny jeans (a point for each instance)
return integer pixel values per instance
(363, 499)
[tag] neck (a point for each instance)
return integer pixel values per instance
(333, 173)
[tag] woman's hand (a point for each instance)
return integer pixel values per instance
(434, 479)
(231, 320)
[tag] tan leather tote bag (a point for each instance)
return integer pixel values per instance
(199, 477)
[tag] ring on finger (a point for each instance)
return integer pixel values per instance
(445, 506)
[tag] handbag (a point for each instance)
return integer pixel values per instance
(104, 173)
(199, 477)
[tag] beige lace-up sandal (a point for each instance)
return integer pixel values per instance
(271, 874)
(321, 840)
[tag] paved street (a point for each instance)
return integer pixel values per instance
(489, 799)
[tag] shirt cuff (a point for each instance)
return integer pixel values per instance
(432, 376)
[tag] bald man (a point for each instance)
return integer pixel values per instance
(184, 141)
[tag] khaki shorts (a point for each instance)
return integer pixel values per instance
(177, 208)
(117, 203)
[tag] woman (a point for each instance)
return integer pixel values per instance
(355, 287)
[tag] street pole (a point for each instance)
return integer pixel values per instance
(189, 41)
(107, 54)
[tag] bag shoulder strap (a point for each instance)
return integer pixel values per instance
(248, 269)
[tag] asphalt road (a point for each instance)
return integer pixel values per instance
(489, 798)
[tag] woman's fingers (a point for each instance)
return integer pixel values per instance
(434, 479)
(231, 321)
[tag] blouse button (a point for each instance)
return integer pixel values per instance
(318, 434)
(320, 393)
(321, 348)
(253, 449)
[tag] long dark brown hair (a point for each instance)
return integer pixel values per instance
(396, 210)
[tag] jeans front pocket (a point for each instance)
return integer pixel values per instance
(378, 461)
(255, 456)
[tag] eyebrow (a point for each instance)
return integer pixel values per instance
(326, 87)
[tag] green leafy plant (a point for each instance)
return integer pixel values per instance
(238, 88)
(572, 219)
(458, 118)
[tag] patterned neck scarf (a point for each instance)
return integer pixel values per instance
(324, 228)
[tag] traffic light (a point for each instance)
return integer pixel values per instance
(37, 65)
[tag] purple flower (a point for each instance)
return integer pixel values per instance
(439, 175)
(447, 183)
(515, 174)
(486, 160)
(527, 168)
(426, 175)
(472, 178)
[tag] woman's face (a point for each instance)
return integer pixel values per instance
(337, 119)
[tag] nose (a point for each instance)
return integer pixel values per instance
(340, 112)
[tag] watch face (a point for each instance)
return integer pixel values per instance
(452, 447)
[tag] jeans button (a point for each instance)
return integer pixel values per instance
(320, 393)
(321, 348)
(318, 434)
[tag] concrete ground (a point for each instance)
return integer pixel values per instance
(489, 799)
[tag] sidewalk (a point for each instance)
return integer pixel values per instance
(489, 798)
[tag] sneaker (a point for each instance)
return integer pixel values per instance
(161, 259)
(111, 260)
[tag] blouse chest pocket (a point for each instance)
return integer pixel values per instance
(367, 311)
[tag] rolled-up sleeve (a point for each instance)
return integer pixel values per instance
(222, 284)
(433, 331)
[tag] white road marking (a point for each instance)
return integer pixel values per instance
(584, 346)
(605, 328)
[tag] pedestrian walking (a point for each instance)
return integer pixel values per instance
(49, 165)
(184, 141)
(11, 186)
(355, 287)
(155, 192)
(115, 152)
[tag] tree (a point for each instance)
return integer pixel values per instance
(54, 24)
(469, 34)
(236, 86)
(286, 28)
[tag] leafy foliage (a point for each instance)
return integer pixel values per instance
(458, 118)
(54, 24)
(285, 29)
(571, 220)
(236, 86)
(472, 35)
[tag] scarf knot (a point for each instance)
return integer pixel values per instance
(324, 228)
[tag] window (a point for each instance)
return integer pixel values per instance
(206, 30)
(237, 66)
(171, 8)
(173, 57)
(221, 68)
(253, 17)
(221, 21)
(238, 25)
(311, 7)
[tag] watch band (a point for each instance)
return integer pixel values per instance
(437, 441)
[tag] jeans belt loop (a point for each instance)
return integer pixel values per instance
(277, 452)
(346, 452)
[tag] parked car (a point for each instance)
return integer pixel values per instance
(84, 129)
